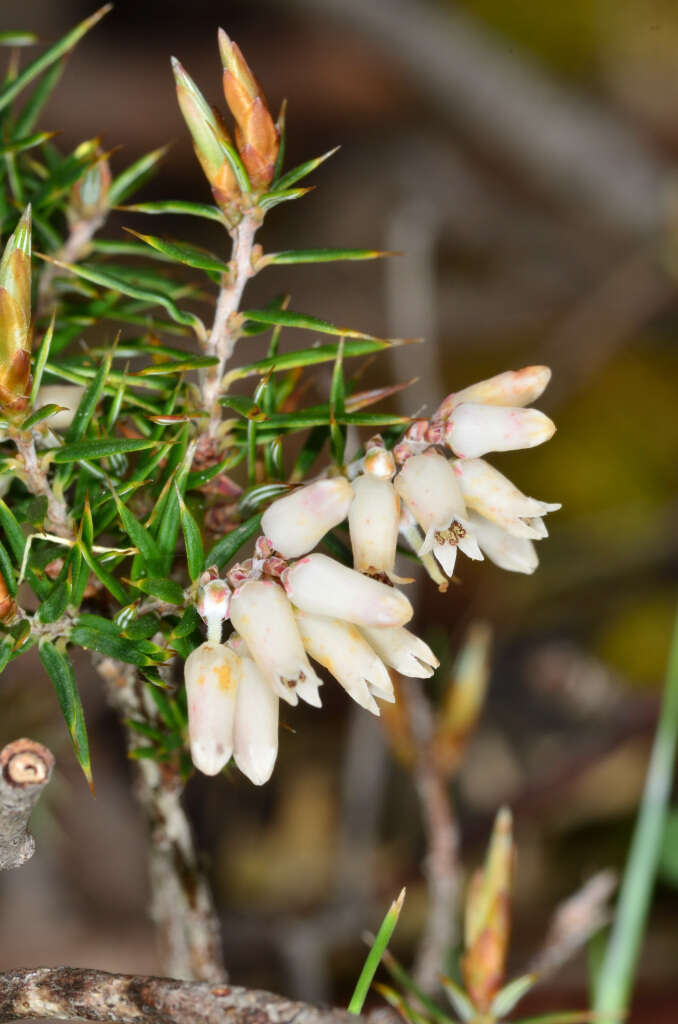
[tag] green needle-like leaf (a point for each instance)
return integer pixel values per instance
(228, 547)
(178, 206)
(302, 170)
(101, 449)
(51, 55)
(375, 954)
(181, 252)
(60, 671)
(133, 176)
(288, 318)
(290, 256)
(195, 553)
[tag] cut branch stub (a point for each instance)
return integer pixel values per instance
(25, 769)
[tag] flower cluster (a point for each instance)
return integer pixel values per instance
(289, 603)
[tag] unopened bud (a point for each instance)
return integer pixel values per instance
(464, 699)
(213, 606)
(487, 918)
(378, 461)
(257, 137)
(89, 196)
(208, 133)
(15, 316)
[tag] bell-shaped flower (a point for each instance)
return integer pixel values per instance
(492, 495)
(322, 586)
(473, 429)
(514, 387)
(517, 554)
(255, 732)
(343, 650)
(428, 486)
(294, 524)
(212, 673)
(403, 651)
(263, 617)
(373, 522)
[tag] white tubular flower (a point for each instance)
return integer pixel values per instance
(403, 651)
(255, 733)
(322, 586)
(515, 387)
(493, 496)
(517, 554)
(264, 618)
(373, 522)
(345, 652)
(212, 673)
(428, 486)
(473, 429)
(294, 524)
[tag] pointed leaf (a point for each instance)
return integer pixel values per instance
(302, 170)
(510, 995)
(51, 55)
(13, 532)
(288, 318)
(195, 553)
(309, 357)
(460, 1001)
(290, 256)
(60, 671)
(133, 176)
(101, 449)
(228, 547)
(182, 252)
(178, 206)
(373, 960)
(165, 590)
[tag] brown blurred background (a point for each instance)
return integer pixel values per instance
(523, 158)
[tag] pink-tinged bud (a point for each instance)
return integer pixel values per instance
(257, 136)
(322, 586)
(373, 521)
(428, 486)
(208, 133)
(342, 649)
(515, 387)
(212, 673)
(255, 746)
(492, 495)
(473, 429)
(15, 316)
(516, 554)
(379, 463)
(263, 617)
(213, 606)
(403, 651)
(294, 524)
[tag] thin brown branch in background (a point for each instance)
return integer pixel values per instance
(182, 907)
(441, 866)
(66, 993)
(25, 769)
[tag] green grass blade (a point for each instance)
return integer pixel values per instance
(375, 954)
(615, 981)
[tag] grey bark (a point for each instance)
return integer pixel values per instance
(25, 770)
(74, 994)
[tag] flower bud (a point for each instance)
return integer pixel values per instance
(263, 617)
(212, 673)
(257, 137)
(378, 461)
(89, 196)
(15, 316)
(208, 133)
(373, 521)
(213, 604)
(320, 585)
(342, 649)
(473, 429)
(515, 387)
(403, 651)
(294, 524)
(255, 744)
(516, 554)
(487, 918)
(493, 496)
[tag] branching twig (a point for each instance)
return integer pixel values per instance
(441, 866)
(25, 770)
(38, 484)
(66, 993)
(181, 902)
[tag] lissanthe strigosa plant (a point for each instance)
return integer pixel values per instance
(136, 482)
